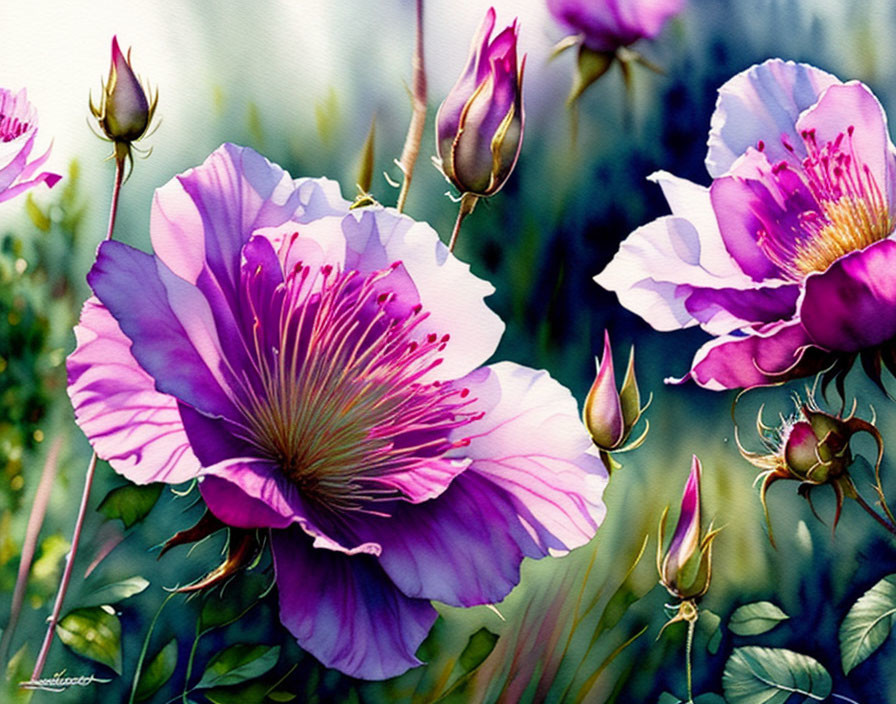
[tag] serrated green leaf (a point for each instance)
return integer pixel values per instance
(115, 592)
(753, 619)
(93, 633)
(868, 623)
(755, 675)
(238, 663)
(219, 611)
(158, 672)
(481, 643)
(130, 503)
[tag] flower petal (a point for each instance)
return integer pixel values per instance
(173, 336)
(130, 424)
(248, 492)
(345, 611)
(532, 489)
(852, 305)
(762, 103)
(768, 356)
(450, 294)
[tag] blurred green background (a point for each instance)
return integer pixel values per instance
(300, 82)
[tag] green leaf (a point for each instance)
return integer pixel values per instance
(756, 675)
(158, 672)
(709, 698)
(238, 663)
(245, 594)
(666, 698)
(709, 622)
(753, 619)
(481, 643)
(131, 502)
(94, 633)
(868, 623)
(115, 592)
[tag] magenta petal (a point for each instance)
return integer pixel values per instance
(762, 103)
(345, 611)
(603, 409)
(852, 305)
(687, 530)
(758, 359)
(747, 307)
(130, 424)
(162, 344)
(253, 493)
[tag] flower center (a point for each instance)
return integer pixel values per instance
(338, 398)
(11, 127)
(840, 207)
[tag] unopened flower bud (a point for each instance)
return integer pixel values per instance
(479, 126)
(125, 110)
(686, 568)
(812, 448)
(610, 415)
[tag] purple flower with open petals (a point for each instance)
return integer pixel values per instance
(789, 257)
(606, 25)
(319, 370)
(18, 130)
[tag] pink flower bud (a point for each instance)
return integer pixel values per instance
(479, 126)
(125, 111)
(610, 415)
(686, 568)
(18, 130)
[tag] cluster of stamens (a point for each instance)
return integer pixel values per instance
(337, 395)
(842, 208)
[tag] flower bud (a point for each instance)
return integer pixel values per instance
(125, 111)
(18, 130)
(686, 568)
(479, 126)
(609, 415)
(812, 448)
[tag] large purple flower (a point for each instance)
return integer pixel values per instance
(606, 25)
(318, 369)
(18, 130)
(789, 257)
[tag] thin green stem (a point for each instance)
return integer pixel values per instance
(467, 204)
(145, 648)
(88, 478)
(193, 649)
(688, 648)
(874, 514)
(412, 142)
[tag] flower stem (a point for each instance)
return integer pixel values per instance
(139, 667)
(467, 203)
(418, 117)
(66, 574)
(88, 477)
(874, 514)
(690, 642)
(116, 191)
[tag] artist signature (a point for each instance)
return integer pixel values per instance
(58, 683)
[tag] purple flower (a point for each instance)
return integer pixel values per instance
(606, 25)
(18, 130)
(319, 370)
(479, 126)
(788, 257)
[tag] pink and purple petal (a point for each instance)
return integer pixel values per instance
(770, 355)
(345, 610)
(852, 305)
(762, 104)
(173, 336)
(130, 424)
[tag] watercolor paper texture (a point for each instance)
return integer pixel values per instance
(466, 352)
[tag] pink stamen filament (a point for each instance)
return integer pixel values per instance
(343, 384)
